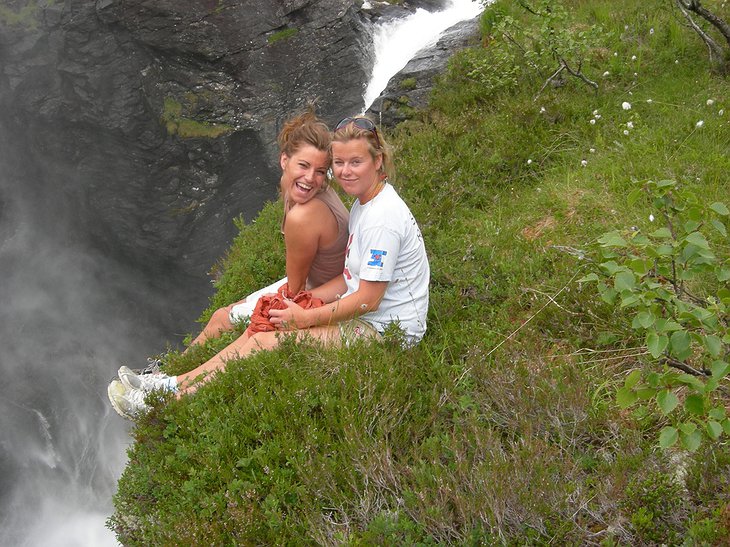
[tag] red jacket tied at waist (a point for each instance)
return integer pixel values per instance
(260, 320)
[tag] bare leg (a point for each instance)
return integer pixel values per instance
(219, 323)
(245, 346)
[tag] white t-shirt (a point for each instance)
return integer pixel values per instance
(386, 244)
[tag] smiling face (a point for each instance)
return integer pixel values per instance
(303, 173)
(355, 168)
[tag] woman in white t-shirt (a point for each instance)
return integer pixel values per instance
(386, 275)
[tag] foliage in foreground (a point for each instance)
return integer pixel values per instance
(502, 426)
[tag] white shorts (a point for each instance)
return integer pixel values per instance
(242, 311)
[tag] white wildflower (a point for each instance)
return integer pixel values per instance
(630, 125)
(592, 121)
(626, 27)
(676, 61)
(626, 131)
(595, 112)
(606, 73)
(710, 102)
(651, 31)
(651, 218)
(615, 53)
(649, 101)
(542, 109)
(583, 163)
(626, 106)
(700, 123)
(721, 112)
(598, 116)
(591, 150)
(633, 57)
(529, 162)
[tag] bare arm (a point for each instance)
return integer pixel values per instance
(365, 299)
(302, 233)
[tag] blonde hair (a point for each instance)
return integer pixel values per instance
(376, 144)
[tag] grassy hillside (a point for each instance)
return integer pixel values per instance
(502, 426)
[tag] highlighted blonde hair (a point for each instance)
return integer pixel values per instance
(376, 144)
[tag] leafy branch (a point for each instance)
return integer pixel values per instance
(658, 275)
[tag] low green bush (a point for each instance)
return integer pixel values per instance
(502, 426)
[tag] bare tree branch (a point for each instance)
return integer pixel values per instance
(718, 55)
(720, 24)
(684, 367)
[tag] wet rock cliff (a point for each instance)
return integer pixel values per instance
(147, 125)
(153, 120)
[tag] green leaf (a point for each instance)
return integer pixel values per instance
(609, 295)
(624, 281)
(726, 426)
(680, 344)
(625, 397)
(589, 277)
(695, 404)
(691, 226)
(723, 273)
(668, 436)
(632, 379)
(718, 413)
(656, 343)
(665, 184)
(644, 319)
(665, 325)
(713, 344)
(720, 208)
(667, 401)
(714, 430)
(641, 266)
(645, 393)
(719, 226)
(696, 238)
(634, 195)
(719, 369)
(690, 380)
(612, 239)
(664, 250)
(662, 233)
(610, 267)
(691, 441)
(629, 299)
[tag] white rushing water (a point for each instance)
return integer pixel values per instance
(396, 42)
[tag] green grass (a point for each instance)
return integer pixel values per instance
(501, 427)
(281, 35)
(188, 128)
(27, 16)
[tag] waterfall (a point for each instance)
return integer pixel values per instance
(396, 42)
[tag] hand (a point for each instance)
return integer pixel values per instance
(293, 317)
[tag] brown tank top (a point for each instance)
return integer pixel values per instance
(329, 261)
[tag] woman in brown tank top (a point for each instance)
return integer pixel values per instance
(314, 224)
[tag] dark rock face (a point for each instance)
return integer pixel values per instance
(409, 90)
(155, 120)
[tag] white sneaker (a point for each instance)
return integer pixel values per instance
(129, 403)
(143, 382)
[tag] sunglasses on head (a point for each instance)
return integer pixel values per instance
(361, 123)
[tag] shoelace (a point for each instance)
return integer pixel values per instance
(136, 397)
